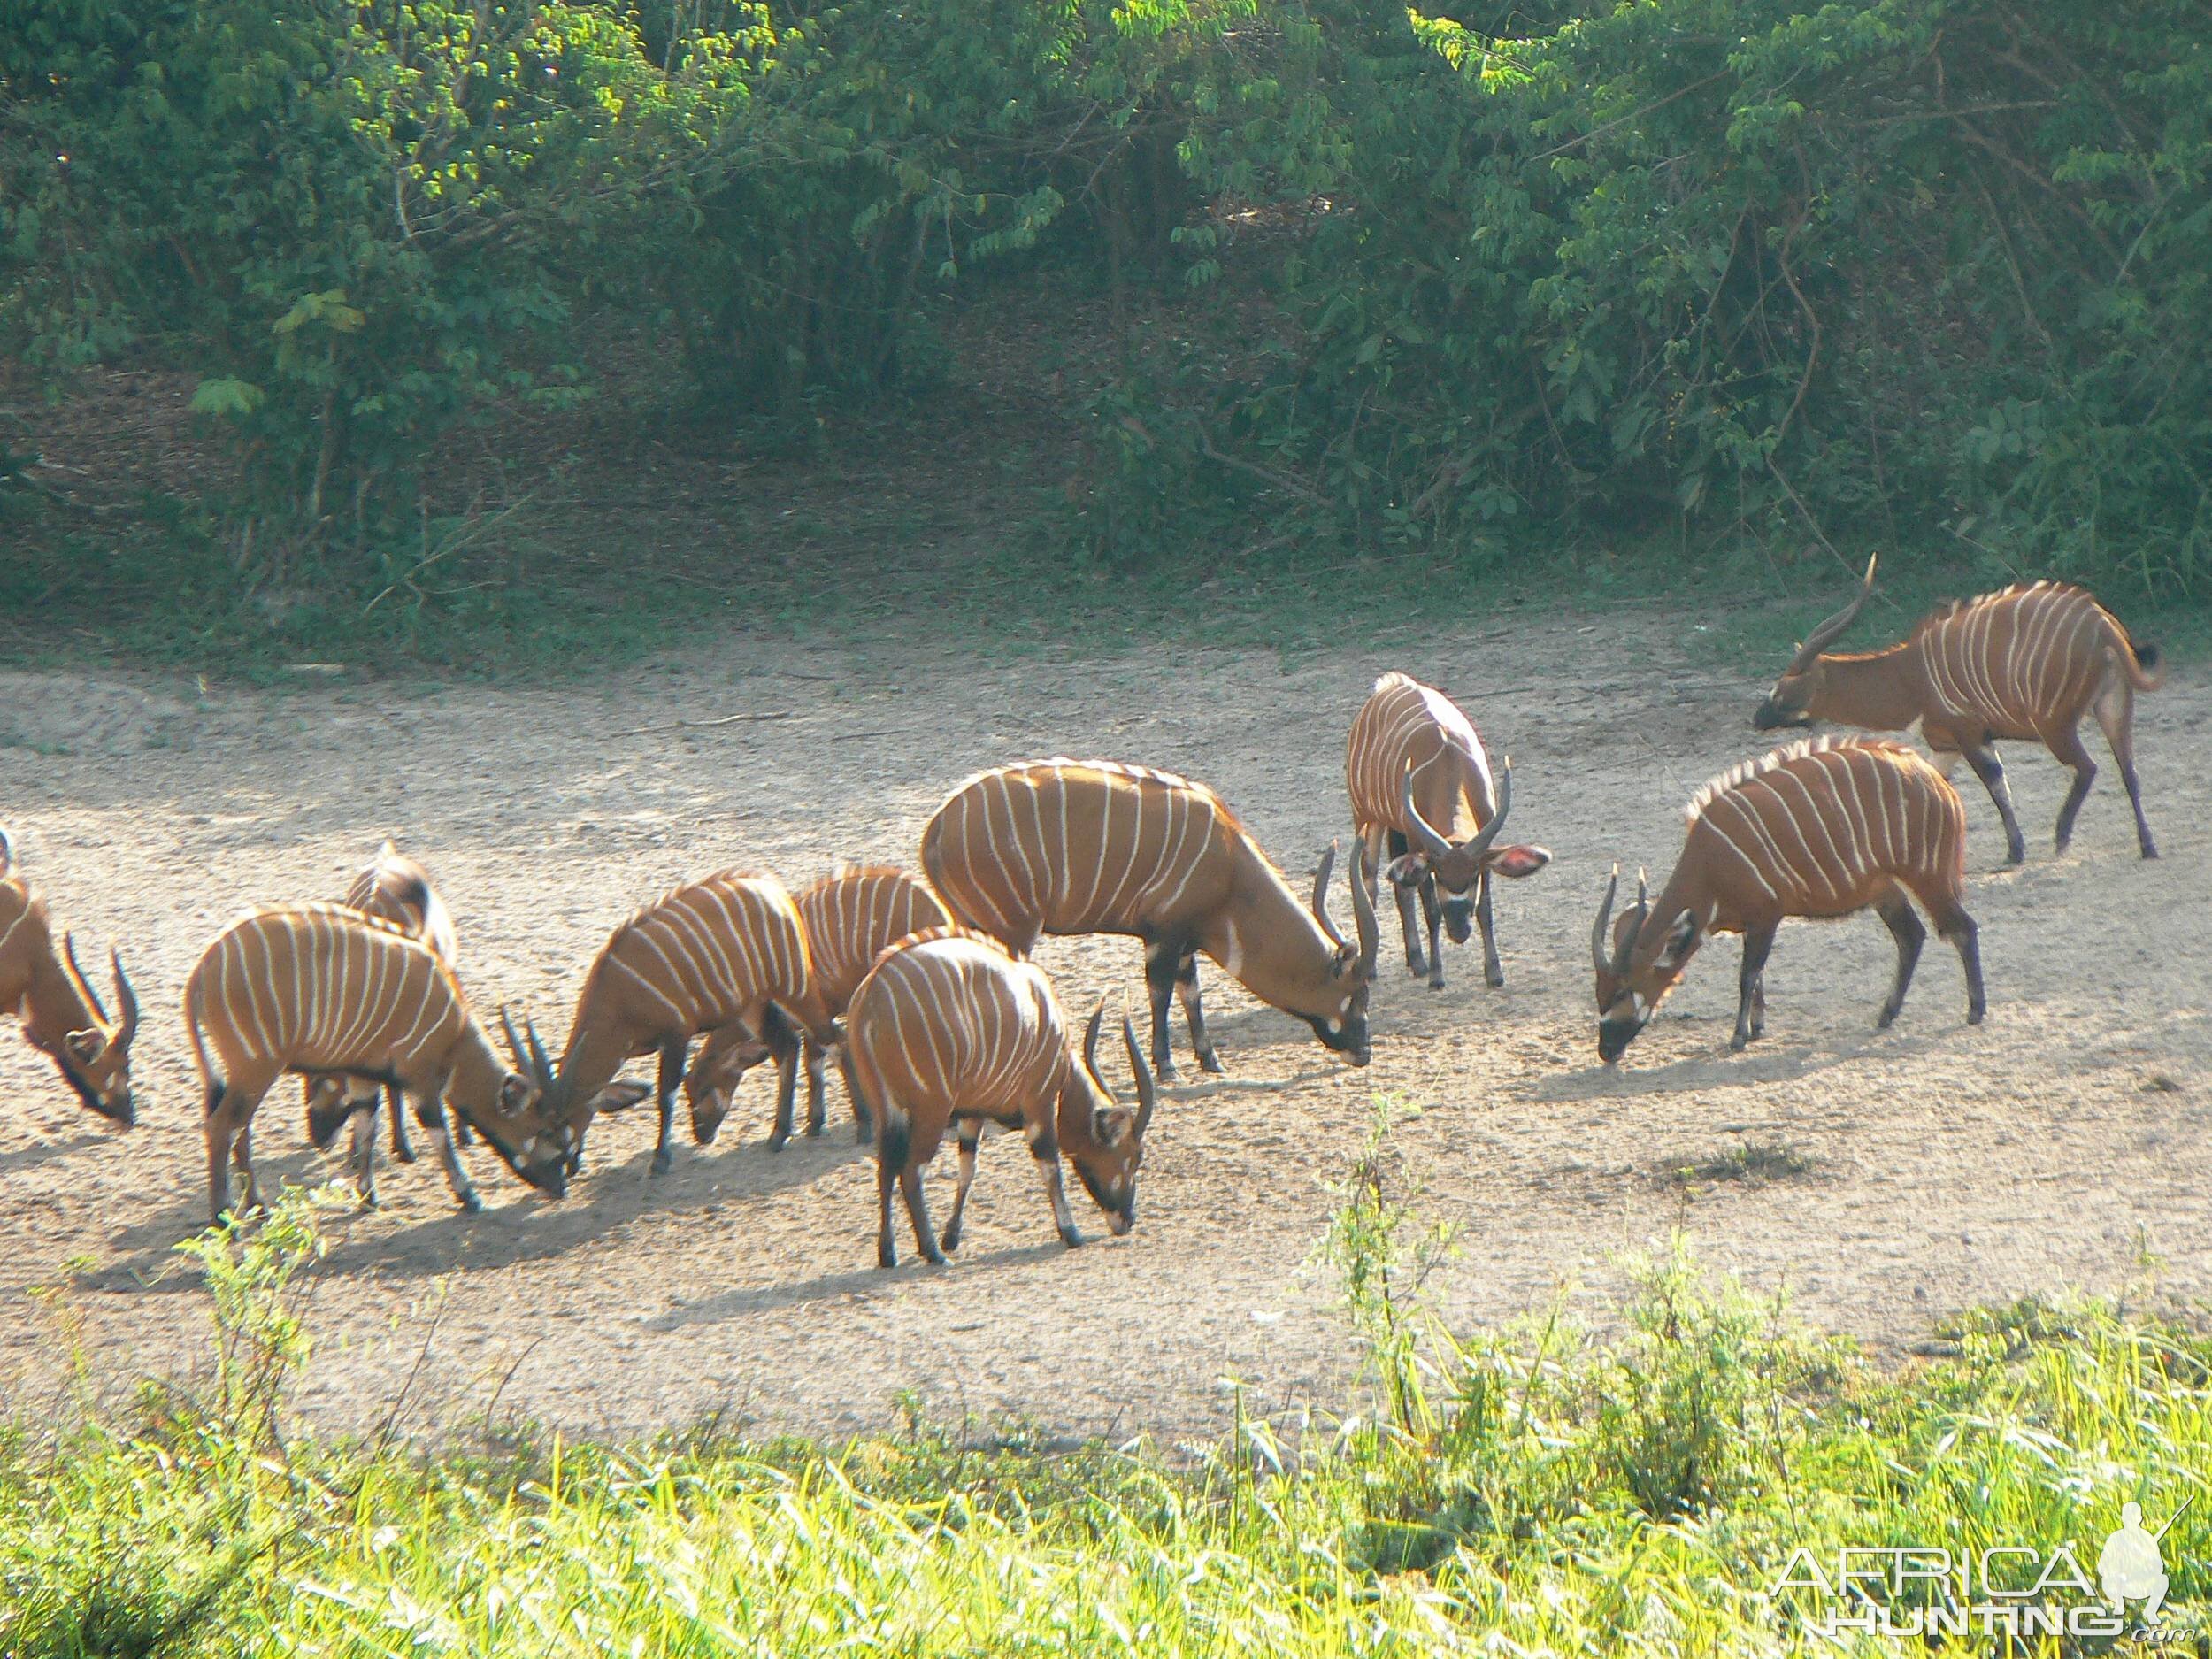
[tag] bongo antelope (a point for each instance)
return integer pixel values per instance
(1413, 763)
(729, 949)
(61, 1013)
(323, 990)
(848, 919)
(394, 888)
(2026, 663)
(1093, 847)
(1819, 829)
(948, 1028)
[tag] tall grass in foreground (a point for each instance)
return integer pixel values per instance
(1534, 1490)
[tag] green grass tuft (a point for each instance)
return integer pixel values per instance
(1539, 1488)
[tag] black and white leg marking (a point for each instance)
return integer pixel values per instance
(430, 1112)
(1906, 927)
(1751, 987)
(1432, 919)
(2070, 748)
(1044, 1146)
(671, 1077)
(362, 1120)
(1492, 970)
(970, 1131)
(1193, 1013)
(1161, 956)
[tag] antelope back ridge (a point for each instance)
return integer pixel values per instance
(1426, 806)
(849, 918)
(61, 1014)
(1819, 829)
(323, 990)
(2026, 663)
(949, 1029)
(728, 949)
(1067, 847)
(391, 888)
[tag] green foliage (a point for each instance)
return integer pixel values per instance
(1930, 273)
(1740, 263)
(1548, 1490)
(364, 225)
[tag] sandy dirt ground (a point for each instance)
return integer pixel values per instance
(2063, 1144)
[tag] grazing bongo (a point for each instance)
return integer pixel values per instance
(2026, 663)
(1094, 847)
(325, 991)
(61, 1014)
(948, 1028)
(392, 887)
(1418, 776)
(1819, 829)
(848, 919)
(728, 949)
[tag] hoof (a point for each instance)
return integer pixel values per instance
(885, 1256)
(1973, 1016)
(779, 1140)
(471, 1203)
(814, 1127)
(1417, 968)
(1211, 1062)
(2149, 851)
(936, 1257)
(951, 1239)
(1493, 977)
(1164, 1073)
(1738, 1043)
(663, 1162)
(370, 1201)
(1070, 1237)
(404, 1155)
(1436, 983)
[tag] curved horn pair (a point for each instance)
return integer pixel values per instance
(1436, 846)
(1826, 635)
(1607, 961)
(1363, 906)
(126, 999)
(530, 1059)
(1148, 1096)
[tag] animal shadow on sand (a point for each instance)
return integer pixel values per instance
(48, 1151)
(516, 1225)
(735, 1304)
(1762, 1063)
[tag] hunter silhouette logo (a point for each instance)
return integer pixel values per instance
(2129, 1566)
(2010, 1590)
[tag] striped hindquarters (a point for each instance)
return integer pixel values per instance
(850, 916)
(2023, 662)
(948, 1020)
(1827, 827)
(1078, 846)
(321, 987)
(395, 889)
(1403, 721)
(710, 950)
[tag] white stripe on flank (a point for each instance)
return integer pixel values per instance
(648, 985)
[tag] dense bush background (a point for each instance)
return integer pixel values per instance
(1935, 274)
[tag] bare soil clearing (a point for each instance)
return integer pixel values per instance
(2062, 1144)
